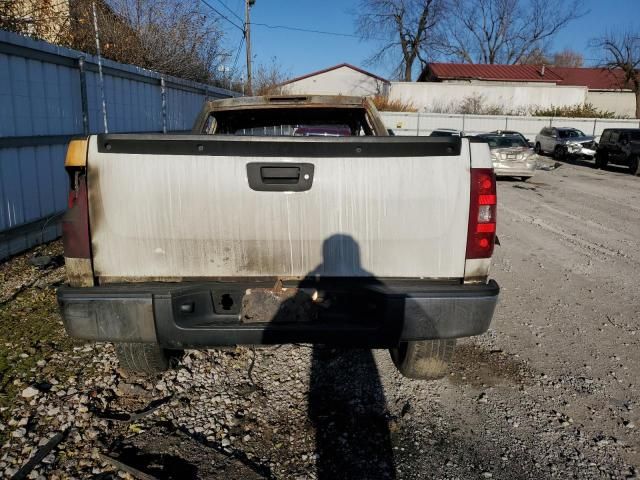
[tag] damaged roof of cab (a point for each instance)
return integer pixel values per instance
(276, 101)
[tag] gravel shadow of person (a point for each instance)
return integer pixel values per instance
(348, 410)
(347, 404)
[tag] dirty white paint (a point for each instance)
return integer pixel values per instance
(621, 103)
(480, 155)
(444, 96)
(195, 216)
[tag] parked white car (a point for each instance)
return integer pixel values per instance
(563, 142)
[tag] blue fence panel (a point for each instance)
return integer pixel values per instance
(42, 107)
(7, 125)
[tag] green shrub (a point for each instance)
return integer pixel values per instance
(575, 111)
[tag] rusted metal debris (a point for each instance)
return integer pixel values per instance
(135, 416)
(40, 455)
(278, 305)
(126, 468)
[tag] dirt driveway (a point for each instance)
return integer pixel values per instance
(551, 391)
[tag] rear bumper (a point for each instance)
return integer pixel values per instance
(516, 169)
(207, 314)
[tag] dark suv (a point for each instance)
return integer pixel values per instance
(620, 146)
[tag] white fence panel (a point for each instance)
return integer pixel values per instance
(404, 123)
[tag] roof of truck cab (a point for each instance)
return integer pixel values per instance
(280, 101)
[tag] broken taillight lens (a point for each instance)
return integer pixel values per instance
(482, 214)
(75, 223)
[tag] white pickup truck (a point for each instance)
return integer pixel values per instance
(280, 219)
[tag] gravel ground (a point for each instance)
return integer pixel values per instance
(551, 391)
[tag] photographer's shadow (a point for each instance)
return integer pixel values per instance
(346, 399)
(348, 410)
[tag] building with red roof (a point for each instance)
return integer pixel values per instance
(605, 88)
(467, 72)
(594, 78)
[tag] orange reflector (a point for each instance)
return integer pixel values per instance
(487, 199)
(76, 154)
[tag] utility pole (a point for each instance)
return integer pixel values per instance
(247, 34)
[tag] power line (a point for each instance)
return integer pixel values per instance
(321, 32)
(237, 56)
(223, 16)
(230, 10)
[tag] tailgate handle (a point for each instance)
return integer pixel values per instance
(280, 177)
(280, 174)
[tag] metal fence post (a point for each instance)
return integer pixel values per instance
(84, 101)
(163, 93)
(463, 117)
(595, 121)
(100, 74)
(418, 125)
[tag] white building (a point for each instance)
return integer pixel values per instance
(343, 79)
(517, 87)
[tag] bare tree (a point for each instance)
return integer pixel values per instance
(406, 29)
(42, 19)
(268, 78)
(504, 31)
(169, 36)
(568, 58)
(563, 58)
(536, 57)
(621, 55)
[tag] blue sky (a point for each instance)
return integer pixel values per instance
(300, 53)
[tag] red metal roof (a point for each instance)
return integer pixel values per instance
(593, 78)
(348, 65)
(504, 73)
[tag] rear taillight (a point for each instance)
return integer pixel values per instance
(75, 224)
(482, 214)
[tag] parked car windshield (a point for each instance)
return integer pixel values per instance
(505, 141)
(570, 133)
(444, 133)
(635, 136)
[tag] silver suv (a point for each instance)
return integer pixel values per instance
(565, 142)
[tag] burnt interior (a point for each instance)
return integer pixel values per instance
(284, 121)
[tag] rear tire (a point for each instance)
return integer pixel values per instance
(538, 149)
(146, 358)
(559, 153)
(634, 166)
(424, 359)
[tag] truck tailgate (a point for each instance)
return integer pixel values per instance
(169, 207)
